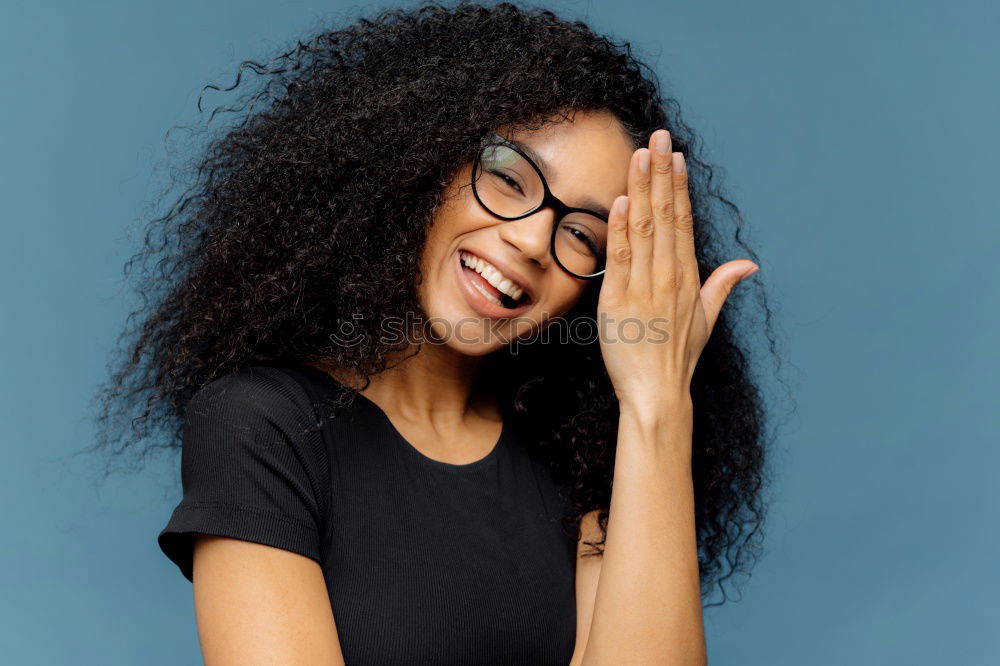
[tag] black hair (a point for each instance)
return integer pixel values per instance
(308, 211)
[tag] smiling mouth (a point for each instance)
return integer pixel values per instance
(494, 286)
(493, 301)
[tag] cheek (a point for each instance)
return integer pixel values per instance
(563, 294)
(437, 239)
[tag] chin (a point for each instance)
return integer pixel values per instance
(474, 350)
(475, 337)
(470, 334)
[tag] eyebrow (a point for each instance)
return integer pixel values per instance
(587, 203)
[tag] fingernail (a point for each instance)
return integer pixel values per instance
(623, 205)
(644, 160)
(662, 142)
(678, 162)
(750, 272)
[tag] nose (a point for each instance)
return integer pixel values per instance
(531, 235)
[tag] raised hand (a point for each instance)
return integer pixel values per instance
(651, 279)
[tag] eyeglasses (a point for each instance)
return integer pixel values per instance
(510, 186)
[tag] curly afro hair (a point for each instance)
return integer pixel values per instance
(314, 208)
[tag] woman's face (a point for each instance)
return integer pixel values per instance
(585, 163)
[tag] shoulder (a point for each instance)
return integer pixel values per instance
(254, 466)
(255, 383)
(252, 394)
(254, 414)
(253, 427)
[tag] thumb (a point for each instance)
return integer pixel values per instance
(720, 283)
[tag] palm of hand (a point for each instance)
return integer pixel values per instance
(656, 316)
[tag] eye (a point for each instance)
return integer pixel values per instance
(583, 238)
(507, 179)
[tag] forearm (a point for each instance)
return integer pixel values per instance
(647, 608)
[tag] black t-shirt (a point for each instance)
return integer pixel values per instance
(425, 562)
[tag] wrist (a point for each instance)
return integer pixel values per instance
(670, 415)
(657, 406)
(662, 429)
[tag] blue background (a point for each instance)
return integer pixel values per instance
(855, 136)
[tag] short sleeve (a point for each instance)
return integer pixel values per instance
(253, 467)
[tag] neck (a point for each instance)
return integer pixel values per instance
(438, 385)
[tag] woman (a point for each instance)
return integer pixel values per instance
(366, 324)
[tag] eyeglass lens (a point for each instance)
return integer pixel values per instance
(509, 186)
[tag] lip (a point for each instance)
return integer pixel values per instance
(476, 300)
(509, 272)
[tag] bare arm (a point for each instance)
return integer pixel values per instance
(255, 604)
(647, 608)
(588, 573)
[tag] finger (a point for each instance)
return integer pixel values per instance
(618, 265)
(640, 221)
(662, 201)
(720, 284)
(684, 221)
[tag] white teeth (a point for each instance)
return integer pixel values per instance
(488, 295)
(493, 276)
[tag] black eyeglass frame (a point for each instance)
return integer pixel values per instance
(549, 200)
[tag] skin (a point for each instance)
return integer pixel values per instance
(647, 604)
(433, 399)
(640, 602)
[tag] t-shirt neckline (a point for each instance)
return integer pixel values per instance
(498, 447)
